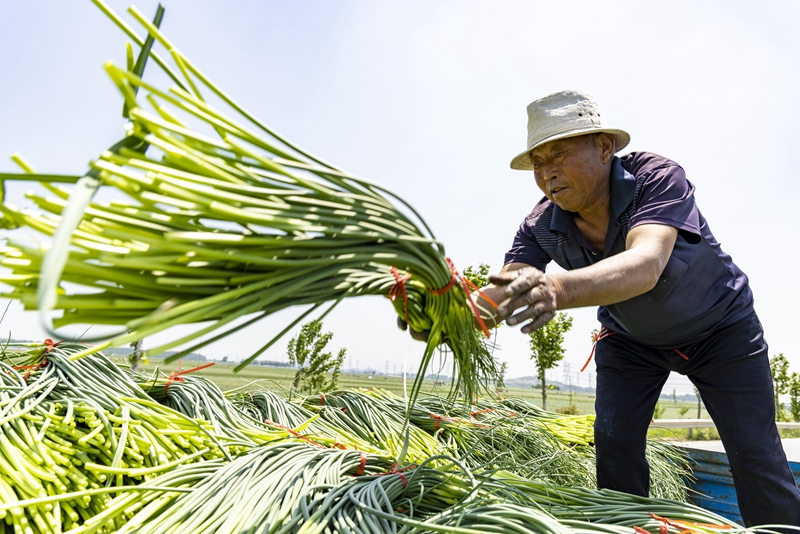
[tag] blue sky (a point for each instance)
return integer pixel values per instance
(428, 98)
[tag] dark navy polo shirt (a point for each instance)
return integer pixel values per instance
(700, 290)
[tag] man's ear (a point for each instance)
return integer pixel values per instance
(605, 142)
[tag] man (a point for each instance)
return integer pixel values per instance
(633, 242)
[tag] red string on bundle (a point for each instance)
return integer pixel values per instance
(442, 290)
(604, 333)
(440, 418)
(296, 434)
(400, 286)
(176, 377)
(686, 525)
(31, 368)
(467, 285)
(51, 344)
(393, 470)
(361, 465)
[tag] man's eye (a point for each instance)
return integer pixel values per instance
(537, 164)
(560, 153)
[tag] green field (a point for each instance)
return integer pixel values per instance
(279, 379)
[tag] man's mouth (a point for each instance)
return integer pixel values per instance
(557, 190)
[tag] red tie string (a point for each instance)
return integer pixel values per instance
(687, 525)
(442, 290)
(438, 418)
(321, 399)
(604, 333)
(51, 344)
(282, 427)
(466, 284)
(297, 434)
(393, 470)
(31, 368)
(469, 287)
(398, 287)
(682, 355)
(177, 377)
(361, 465)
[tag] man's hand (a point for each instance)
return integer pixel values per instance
(530, 288)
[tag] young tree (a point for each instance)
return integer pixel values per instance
(479, 276)
(699, 401)
(136, 356)
(547, 347)
(794, 397)
(779, 367)
(306, 350)
(501, 376)
(699, 407)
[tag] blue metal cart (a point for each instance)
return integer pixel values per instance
(713, 476)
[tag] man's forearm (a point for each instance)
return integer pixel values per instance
(619, 277)
(612, 280)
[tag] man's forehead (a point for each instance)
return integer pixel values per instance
(568, 141)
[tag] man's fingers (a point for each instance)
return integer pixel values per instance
(528, 279)
(537, 323)
(531, 312)
(527, 298)
(419, 336)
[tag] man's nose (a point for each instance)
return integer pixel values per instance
(549, 172)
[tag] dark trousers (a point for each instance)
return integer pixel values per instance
(730, 368)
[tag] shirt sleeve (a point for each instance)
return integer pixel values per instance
(666, 197)
(525, 249)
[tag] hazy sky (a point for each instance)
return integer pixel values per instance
(428, 99)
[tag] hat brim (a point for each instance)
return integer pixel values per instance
(522, 162)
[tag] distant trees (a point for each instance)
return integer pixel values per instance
(306, 350)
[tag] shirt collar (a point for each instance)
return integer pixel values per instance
(623, 185)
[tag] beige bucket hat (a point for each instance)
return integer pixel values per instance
(565, 114)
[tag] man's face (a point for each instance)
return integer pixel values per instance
(571, 172)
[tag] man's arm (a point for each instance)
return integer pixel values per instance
(615, 279)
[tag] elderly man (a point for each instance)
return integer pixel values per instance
(632, 241)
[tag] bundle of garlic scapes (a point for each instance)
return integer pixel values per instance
(226, 229)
